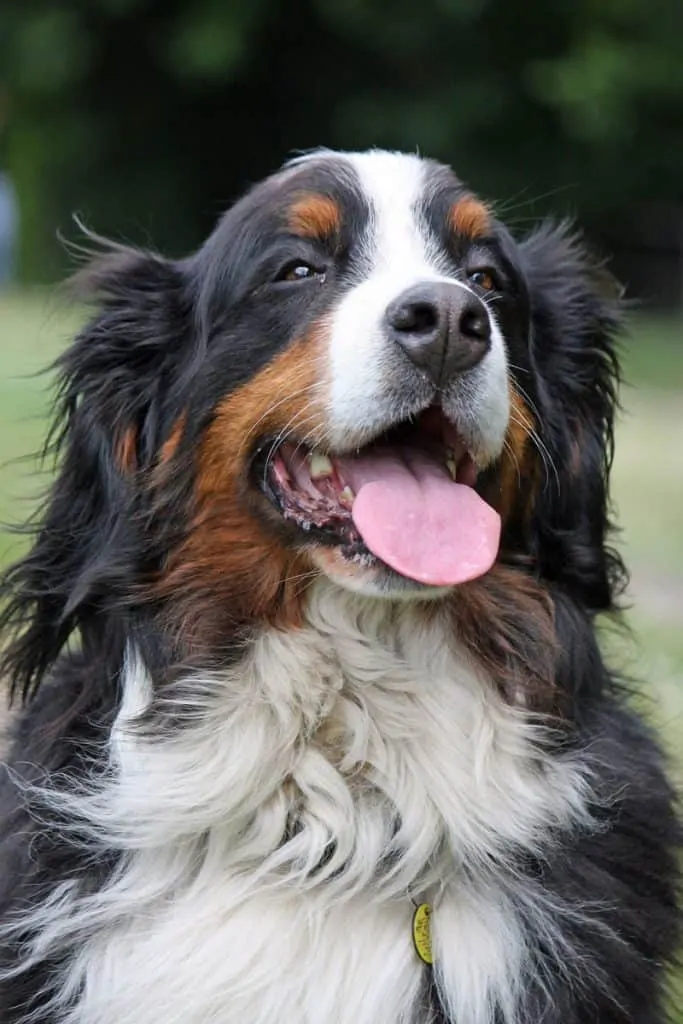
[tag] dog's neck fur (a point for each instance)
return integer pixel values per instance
(274, 838)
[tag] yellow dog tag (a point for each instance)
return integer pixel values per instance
(422, 934)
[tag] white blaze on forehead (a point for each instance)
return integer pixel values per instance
(397, 241)
(394, 253)
(367, 373)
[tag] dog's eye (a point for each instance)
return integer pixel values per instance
(484, 279)
(300, 271)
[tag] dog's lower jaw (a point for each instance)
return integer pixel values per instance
(367, 577)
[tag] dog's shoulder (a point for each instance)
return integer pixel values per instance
(59, 733)
(611, 888)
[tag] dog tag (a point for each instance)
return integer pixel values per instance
(422, 934)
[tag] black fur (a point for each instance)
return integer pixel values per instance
(157, 346)
(576, 372)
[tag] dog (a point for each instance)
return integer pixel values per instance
(316, 727)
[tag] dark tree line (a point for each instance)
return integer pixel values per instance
(148, 116)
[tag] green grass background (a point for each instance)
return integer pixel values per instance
(647, 484)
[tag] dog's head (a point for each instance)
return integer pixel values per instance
(361, 373)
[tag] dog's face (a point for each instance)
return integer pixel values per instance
(367, 338)
(360, 374)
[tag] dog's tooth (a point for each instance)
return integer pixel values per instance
(347, 495)
(451, 465)
(319, 466)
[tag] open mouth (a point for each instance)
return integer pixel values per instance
(407, 499)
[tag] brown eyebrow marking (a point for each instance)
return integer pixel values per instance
(315, 216)
(469, 217)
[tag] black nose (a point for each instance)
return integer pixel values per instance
(443, 329)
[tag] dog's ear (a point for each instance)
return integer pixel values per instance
(576, 315)
(112, 383)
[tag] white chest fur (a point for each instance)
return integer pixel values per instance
(273, 842)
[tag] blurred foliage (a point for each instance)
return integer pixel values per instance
(148, 116)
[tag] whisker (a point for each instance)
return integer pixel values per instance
(276, 405)
(541, 447)
(506, 209)
(537, 441)
(312, 436)
(309, 574)
(525, 394)
(513, 458)
(284, 434)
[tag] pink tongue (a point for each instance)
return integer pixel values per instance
(418, 521)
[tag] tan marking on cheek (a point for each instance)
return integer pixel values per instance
(469, 217)
(315, 216)
(517, 473)
(286, 397)
(232, 569)
(126, 454)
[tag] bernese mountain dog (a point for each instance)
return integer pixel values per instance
(316, 726)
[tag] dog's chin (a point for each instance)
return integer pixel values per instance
(366, 575)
